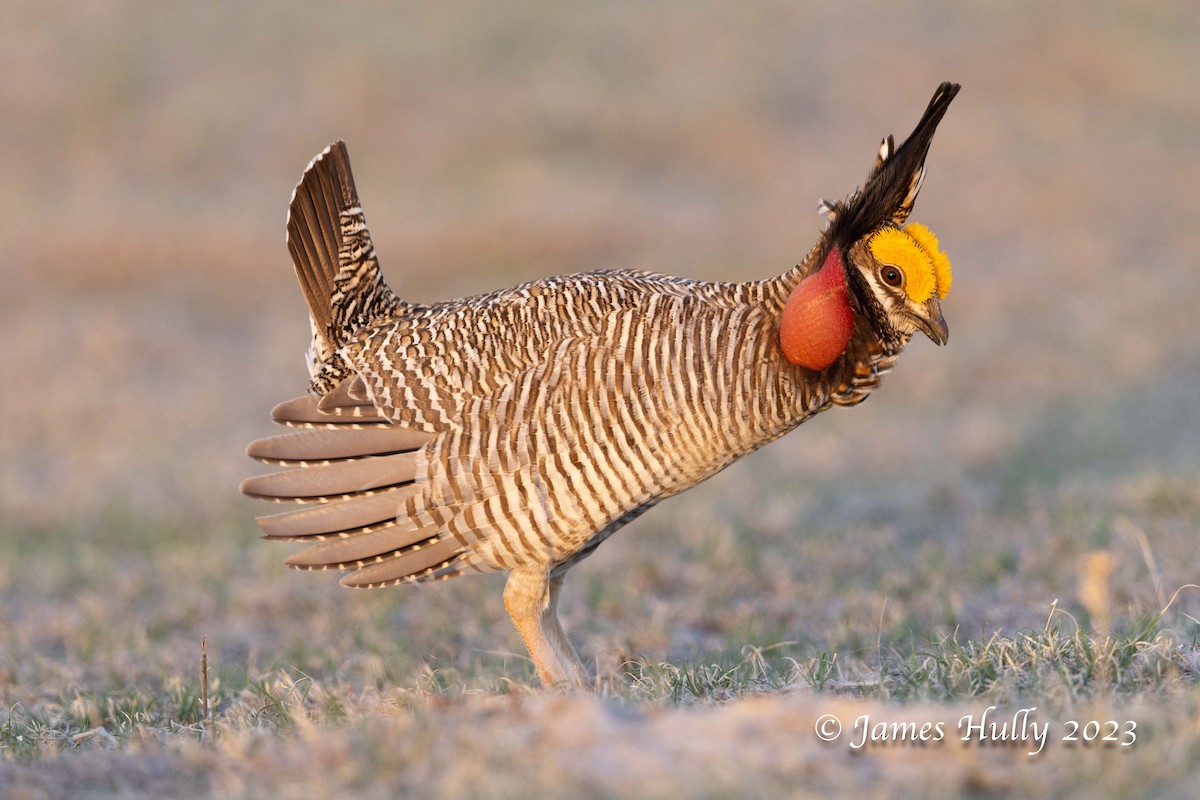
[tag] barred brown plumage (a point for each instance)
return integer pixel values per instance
(519, 429)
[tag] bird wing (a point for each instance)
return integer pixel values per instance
(357, 474)
(600, 427)
(392, 503)
(490, 433)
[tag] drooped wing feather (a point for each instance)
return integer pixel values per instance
(358, 475)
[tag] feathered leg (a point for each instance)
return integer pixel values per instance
(531, 598)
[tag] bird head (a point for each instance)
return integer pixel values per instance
(875, 271)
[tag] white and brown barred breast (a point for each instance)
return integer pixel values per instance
(563, 406)
(525, 426)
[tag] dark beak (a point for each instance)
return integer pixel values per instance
(933, 324)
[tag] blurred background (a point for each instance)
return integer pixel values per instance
(150, 316)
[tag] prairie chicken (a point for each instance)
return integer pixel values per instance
(520, 429)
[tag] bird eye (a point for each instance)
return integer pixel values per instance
(892, 276)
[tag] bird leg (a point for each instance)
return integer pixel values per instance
(531, 597)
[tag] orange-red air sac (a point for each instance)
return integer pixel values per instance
(817, 318)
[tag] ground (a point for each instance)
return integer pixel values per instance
(1009, 522)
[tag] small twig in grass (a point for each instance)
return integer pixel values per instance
(204, 710)
(98, 732)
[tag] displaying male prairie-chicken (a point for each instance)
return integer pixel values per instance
(518, 430)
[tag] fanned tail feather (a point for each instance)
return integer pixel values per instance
(335, 260)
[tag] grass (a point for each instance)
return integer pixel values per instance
(1144, 679)
(1059, 665)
